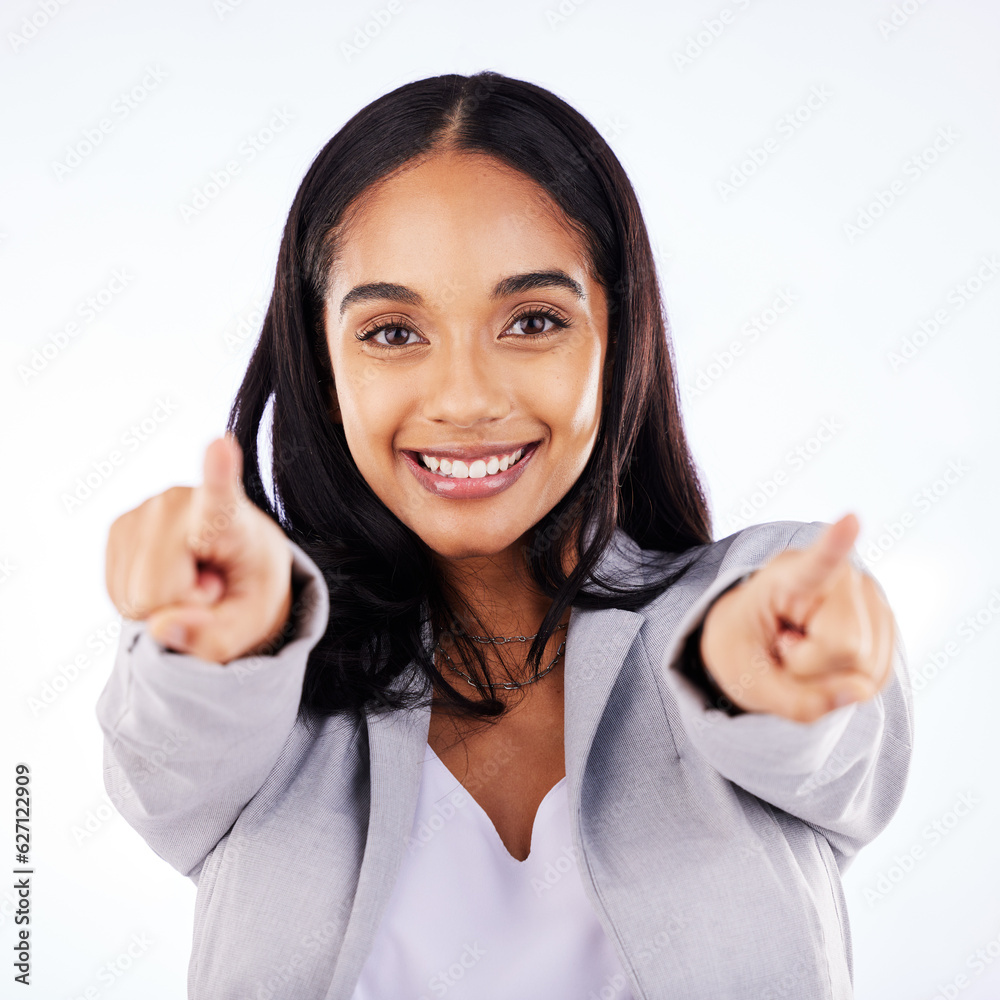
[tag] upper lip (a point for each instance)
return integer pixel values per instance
(464, 452)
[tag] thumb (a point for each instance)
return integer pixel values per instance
(174, 627)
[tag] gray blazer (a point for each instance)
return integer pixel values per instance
(710, 846)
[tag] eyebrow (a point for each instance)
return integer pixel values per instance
(511, 285)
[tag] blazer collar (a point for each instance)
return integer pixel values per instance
(597, 642)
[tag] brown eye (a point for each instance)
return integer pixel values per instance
(536, 323)
(387, 336)
(531, 323)
(395, 336)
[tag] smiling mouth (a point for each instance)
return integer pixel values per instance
(470, 468)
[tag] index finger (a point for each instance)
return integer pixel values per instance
(217, 501)
(810, 577)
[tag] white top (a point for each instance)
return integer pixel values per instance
(468, 921)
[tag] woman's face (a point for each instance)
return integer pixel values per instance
(462, 270)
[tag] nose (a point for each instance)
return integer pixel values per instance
(467, 382)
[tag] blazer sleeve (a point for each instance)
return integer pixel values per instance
(187, 742)
(844, 773)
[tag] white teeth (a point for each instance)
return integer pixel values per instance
(477, 469)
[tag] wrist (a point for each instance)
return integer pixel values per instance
(693, 664)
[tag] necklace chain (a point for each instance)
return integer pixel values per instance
(500, 640)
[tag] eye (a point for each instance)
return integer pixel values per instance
(537, 314)
(396, 332)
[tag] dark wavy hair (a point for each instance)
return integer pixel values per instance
(383, 584)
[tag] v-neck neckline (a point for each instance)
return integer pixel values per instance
(498, 840)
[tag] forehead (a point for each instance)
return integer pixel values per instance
(458, 216)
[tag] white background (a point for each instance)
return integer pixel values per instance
(725, 256)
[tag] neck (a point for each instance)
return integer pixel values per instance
(499, 590)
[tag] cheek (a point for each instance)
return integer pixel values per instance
(574, 402)
(371, 412)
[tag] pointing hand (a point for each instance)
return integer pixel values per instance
(805, 634)
(208, 570)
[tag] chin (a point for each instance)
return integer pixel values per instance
(471, 544)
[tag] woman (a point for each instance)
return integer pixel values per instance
(472, 705)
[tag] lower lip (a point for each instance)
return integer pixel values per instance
(468, 489)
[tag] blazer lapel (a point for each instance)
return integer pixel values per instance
(597, 642)
(396, 742)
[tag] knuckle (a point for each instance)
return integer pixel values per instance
(132, 608)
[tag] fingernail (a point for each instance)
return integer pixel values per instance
(844, 698)
(175, 635)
